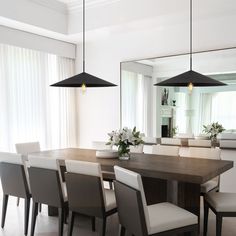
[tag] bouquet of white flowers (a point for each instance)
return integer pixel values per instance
(124, 138)
(213, 129)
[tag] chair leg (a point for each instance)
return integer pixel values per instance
(110, 185)
(27, 208)
(61, 220)
(206, 213)
(18, 201)
(33, 217)
(103, 230)
(71, 223)
(4, 209)
(40, 207)
(218, 224)
(122, 231)
(93, 223)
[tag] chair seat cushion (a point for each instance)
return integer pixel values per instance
(110, 202)
(166, 216)
(222, 202)
(208, 186)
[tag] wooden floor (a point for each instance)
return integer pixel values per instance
(47, 226)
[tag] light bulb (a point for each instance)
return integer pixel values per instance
(83, 88)
(190, 87)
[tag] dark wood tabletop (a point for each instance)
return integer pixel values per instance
(191, 170)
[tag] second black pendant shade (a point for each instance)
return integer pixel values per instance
(190, 78)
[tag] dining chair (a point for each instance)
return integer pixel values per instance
(47, 188)
(136, 149)
(165, 150)
(86, 194)
(139, 219)
(171, 141)
(199, 143)
(207, 153)
(25, 149)
(222, 204)
(14, 183)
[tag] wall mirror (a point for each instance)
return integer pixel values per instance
(165, 111)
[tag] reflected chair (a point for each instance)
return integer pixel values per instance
(47, 188)
(165, 150)
(14, 183)
(86, 194)
(222, 204)
(139, 219)
(171, 141)
(25, 149)
(199, 143)
(207, 153)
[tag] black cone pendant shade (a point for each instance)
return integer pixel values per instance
(190, 78)
(83, 79)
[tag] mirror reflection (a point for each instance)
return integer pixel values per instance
(174, 111)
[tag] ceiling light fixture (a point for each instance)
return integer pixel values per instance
(190, 78)
(83, 79)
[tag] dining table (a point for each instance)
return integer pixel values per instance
(165, 178)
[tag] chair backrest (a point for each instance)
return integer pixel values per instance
(85, 188)
(185, 135)
(45, 181)
(171, 141)
(207, 153)
(136, 149)
(165, 150)
(13, 177)
(199, 143)
(131, 201)
(26, 148)
(228, 143)
(99, 145)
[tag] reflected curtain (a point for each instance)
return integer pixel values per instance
(30, 109)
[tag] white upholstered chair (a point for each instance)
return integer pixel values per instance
(207, 153)
(136, 149)
(165, 150)
(199, 143)
(138, 218)
(85, 189)
(222, 204)
(171, 141)
(25, 149)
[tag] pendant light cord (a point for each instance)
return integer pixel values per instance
(83, 35)
(191, 34)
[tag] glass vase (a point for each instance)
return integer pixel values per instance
(124, 152)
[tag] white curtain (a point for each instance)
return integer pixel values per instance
(137, 102)
(31, 110)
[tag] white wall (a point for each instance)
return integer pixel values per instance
(99, 108)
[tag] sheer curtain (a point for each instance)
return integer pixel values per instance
(31, 109)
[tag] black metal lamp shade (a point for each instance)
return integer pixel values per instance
(83, 79)
(190, 77)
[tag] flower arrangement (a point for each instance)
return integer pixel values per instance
(125, 138)
(213, 129)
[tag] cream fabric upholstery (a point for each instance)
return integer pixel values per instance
(11, 158)
(165, 150)
(150, 140)
(208, 153)
(184, 135)
(199, 143)
(209, 185)
(166, 216)
(222, 202)
(99, 145)
(159, 217)
(136, 149)
(48, 163)
(26, 148)
(171, 141)
(228, 143)
(92, 169)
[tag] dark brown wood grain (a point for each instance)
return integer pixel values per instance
(191, 170)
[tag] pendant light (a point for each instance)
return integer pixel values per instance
(190, 78)
(83, 79)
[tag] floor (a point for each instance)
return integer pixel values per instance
(47, 226)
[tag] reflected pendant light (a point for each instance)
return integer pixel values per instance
(190, 78)
(83, 79)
